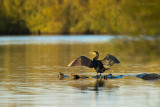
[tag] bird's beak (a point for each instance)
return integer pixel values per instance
(92, 52)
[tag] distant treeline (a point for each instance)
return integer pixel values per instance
(125, 17)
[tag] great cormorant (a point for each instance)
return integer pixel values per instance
(98, 65)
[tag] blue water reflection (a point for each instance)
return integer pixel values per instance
(53, 39)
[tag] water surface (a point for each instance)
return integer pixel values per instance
(29, 72)
(6, 40)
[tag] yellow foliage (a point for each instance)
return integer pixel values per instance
(128, 17)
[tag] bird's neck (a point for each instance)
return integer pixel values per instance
(96, 57)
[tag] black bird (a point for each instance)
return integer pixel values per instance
(98, 65)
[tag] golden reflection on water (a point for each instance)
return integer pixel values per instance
(33, 70)
(35, 60)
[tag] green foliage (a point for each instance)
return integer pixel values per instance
(125, 17)
(11, 21)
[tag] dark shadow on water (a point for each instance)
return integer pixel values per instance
(101, 84)
(87, 84)
(144, 76)
(110, 76)
(98, 83)
(91, 84)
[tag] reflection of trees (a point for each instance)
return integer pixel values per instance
(41, 63)
(141, 50)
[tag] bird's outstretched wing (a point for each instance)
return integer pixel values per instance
(110, 60)
(81, 61)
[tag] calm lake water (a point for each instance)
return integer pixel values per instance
(29, 67)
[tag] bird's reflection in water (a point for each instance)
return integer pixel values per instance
(92, 84)
(88, 84)
(98, 83)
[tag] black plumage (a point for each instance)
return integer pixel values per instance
(98, 65)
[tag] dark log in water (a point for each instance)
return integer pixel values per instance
(144, 76)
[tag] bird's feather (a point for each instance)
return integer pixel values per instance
(110, 60)
(81, 61)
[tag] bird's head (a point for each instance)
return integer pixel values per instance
(94, 53)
